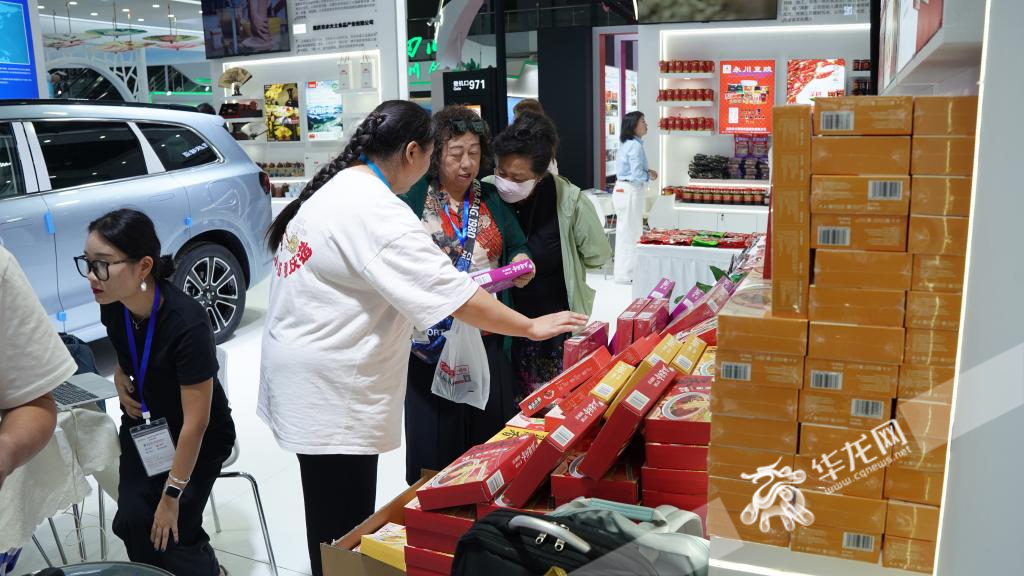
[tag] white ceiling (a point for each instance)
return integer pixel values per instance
(187, 13)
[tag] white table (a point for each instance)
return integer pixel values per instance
(84, 443)
(687, 265)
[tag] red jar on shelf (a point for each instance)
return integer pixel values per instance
(708, 66)
(663, 66)
(687, 195)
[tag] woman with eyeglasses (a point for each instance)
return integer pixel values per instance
(628, 194)
(176, 427)
(437, 430)
(564, 235)
(355, 272)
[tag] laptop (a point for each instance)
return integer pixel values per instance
(83, 389)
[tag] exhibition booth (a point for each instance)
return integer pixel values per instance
(815, 370)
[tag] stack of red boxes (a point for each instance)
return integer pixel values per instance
(645, 316)
(432, 537)
(580, 345)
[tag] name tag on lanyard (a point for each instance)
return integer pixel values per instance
(155, 446)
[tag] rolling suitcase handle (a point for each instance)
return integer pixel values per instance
(545, 528)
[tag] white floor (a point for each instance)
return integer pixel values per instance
(240, 545)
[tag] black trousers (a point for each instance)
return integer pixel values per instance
(339, 492)
(138, 497)
(437, 431)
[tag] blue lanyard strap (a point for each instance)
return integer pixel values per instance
(139, 366)
(461, 234)
(375, 169)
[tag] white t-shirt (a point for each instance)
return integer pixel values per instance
(33, 359)
(355, 272)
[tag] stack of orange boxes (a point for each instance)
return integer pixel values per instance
(941, 168)
(754, 405)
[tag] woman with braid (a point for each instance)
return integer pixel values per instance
(354, 272)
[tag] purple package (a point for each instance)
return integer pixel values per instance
(663, 290)
(499, 279)
(688, 301)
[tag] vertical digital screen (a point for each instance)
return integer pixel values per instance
(17, 60)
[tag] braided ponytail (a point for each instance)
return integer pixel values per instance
(384, 133)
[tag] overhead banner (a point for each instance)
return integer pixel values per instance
(747, 89)
(336, 25)
(810, 79)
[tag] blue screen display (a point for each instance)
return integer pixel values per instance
(17, 59)
(512, 101)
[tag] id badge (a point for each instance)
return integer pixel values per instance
(155, 446)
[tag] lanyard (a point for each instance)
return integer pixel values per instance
(139, 366)
(376, 171)
(461, 234)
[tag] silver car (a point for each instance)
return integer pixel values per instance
(64, 164)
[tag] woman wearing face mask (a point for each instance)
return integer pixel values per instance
(355, 271)
(533, 105)
(166, 378)
(628, 194)
(437, 431)
(563, 233)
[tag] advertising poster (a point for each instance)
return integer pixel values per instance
(632, 92)
(747, 94)
(323, 111)
(335, 25)
(17, 60)
(236, 28)
(612, 117)
(810, 79)
(281, 112)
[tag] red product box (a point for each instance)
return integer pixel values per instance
(651, 320)
(688, 302)
(684, 414)
(624, 325)
(429, 560)
(578, 424)
(541, 502)
(479, 474)
(431, 541)
(524, 422)
(663, 290)
(691, 502)
(620, 428)
(565, 382)
(706, 308)
(694, 482)
(620, 484)
(448, 522)
(592, 337)
(676, 456)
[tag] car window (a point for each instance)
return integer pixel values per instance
(178, 147)
(10, 171)
(83, 152)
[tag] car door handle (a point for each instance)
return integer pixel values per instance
(162, 197)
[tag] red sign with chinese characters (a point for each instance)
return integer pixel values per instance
(747, 89)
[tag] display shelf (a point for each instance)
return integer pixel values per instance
(689, 75)
(686, 104)
(688, 133)
(711, 182)
(719, 208)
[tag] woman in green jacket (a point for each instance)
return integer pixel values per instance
(564, 235)
(437, 431)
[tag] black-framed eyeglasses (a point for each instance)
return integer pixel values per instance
(475, 126)
(101, 268)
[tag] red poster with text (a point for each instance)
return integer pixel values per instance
(747, 89)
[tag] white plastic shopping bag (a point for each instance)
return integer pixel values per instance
(463, 373)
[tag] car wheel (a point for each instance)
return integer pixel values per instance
(210, 273)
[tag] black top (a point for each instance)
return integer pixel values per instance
(183, 354)
(538, 217)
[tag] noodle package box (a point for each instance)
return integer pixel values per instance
(437, 530)
(684, 414)
(663, 290)
(500, 279)
(479, 474)
(594, 336)
(578, 425)
(620, 428)
(621, 483)
(623, 336)
(565, 382)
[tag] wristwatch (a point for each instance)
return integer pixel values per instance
(172, 491)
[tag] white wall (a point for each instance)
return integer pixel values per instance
(750, 41)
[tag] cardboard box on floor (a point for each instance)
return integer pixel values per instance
(338, 558)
